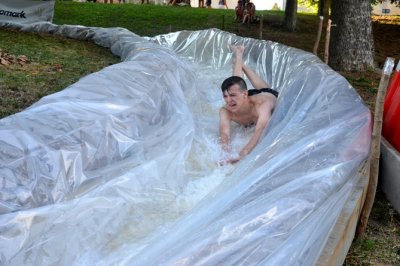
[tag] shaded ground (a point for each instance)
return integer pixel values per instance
(381, 245)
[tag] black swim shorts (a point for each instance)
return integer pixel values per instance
(255, 91)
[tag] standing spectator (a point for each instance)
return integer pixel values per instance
(123, 1)
(106, 1)
(147, 1)
(201, 3)
(208, 3)
(222, 4)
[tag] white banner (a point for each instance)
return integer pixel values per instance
(26, 11)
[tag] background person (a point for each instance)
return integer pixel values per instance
(239, 11)
(222, 4)
(249, 12)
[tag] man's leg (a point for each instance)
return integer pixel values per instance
(237, 60)
(255, 80)
(238, 67)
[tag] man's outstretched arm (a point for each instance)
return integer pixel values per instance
(255, 79)
(224, 129)
(264, 115)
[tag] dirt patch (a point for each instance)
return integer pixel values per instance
(10, 59)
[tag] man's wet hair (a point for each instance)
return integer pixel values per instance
(229, 82)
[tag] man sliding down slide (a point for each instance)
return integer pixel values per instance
(245, 107)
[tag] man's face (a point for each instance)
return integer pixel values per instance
(234, 97)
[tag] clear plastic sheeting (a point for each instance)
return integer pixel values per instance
(121, 168)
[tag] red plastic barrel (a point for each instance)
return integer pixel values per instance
(391, 114)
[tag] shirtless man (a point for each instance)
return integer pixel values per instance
(245, 107)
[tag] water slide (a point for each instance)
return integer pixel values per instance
(121, 168)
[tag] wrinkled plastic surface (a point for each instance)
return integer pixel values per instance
(121, 167)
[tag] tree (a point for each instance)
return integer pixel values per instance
(323, 8)
(289, 21)
(351, 46)
(374, 2)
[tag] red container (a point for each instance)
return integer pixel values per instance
(394, 83)
(391, 114)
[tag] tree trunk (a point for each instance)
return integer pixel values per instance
(323, 8)
(289, 21)
(352, 46)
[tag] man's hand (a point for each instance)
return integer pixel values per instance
(232, 160)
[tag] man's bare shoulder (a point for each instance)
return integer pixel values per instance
(223, 111)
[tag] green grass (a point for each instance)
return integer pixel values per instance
(55, 63)
(381, 244)
(144, 20)
(151, 20)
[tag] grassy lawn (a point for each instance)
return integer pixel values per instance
(54, 63)
(144, 20)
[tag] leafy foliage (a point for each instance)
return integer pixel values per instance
(374, 2)
(313, 4)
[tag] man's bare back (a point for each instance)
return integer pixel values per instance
(250, 118)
